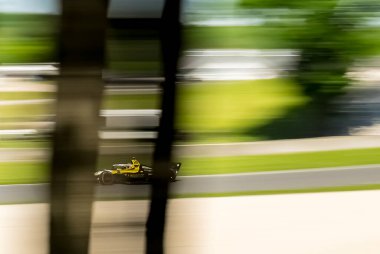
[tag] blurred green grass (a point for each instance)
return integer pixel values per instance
(26, 95)
(22, 143)
(224, 110)
(23, 172)
(131, 101)
(25, 111)
(273, 162)
(255, 37)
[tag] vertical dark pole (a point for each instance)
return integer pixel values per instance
(81, 56)
(170, 35)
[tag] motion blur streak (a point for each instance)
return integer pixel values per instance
(251, 224)
(272, 96)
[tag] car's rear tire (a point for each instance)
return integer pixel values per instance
(106, 178)
(173, 176)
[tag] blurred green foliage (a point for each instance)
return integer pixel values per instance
(28, 38)
(330, 35)
(133, 51)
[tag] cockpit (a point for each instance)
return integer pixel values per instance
(121, 166)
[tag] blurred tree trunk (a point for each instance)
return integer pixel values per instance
(170, 36)
(81, 55)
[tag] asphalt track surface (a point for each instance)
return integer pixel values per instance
(190, 185)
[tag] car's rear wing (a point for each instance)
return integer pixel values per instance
(176, 165)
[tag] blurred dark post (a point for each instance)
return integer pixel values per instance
(81, 55)
(170, 36)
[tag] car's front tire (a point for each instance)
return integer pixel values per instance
(106, 178)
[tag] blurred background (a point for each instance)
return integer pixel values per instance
(286, 92)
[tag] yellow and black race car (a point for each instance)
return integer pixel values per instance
(132, 172)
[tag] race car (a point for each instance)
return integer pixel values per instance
(132, 172)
